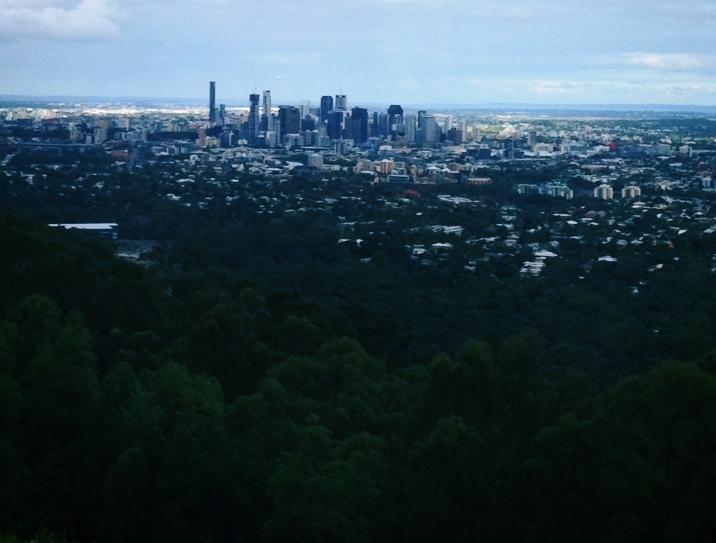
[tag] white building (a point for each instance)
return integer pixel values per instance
(604, 192)
(558, 190)
(631, 192)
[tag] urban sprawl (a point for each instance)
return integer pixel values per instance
(507, 192)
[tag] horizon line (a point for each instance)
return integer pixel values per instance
(474, 105)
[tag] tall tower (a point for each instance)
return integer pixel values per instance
(266, 119)
(212, 102)
(326, 107)
(254, 116)
(359, 125)
(411, 127)
(341, 102)
(395, 119)
(421, 118)
(289, 120)
(335, 125)
(267, 103)
(431, 131)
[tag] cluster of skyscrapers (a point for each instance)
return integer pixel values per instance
(332, 121)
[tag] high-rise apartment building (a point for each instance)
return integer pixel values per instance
(604, 192)
(266, 119)
(212, 102)
(631, 191)
(267, 103)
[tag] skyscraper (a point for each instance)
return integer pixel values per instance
(253, 117)
(420, 134)
(335, 125)
(326, 107)
(267, 103)
(382, 126)
(341, 102)
(305, 108)
(421, 118)
(222, 114)
(308, 123)
(532, 137)
(431, 130)
(375, 125)
(395, 119)
(462, 130)
(212, 102)
(266, 117)
(411, 127)
(289, 118)
(359, 124)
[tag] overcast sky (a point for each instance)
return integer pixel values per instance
(377, 51)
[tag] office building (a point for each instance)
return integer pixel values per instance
(380, 124)
(359, 125)
(308, 122)
(395, 120)
(395, 114)
(326, 107)
(335, 125)
(289, 118)
(421, 118)
(411, 127)
(455, 136)
(430, 129)
(462, 130)
(341, 102)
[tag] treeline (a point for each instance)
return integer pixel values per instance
(192, 405)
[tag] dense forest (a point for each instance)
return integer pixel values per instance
(294, 396)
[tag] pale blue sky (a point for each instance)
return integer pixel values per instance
(408, 51)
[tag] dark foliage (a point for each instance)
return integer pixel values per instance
(186, 403)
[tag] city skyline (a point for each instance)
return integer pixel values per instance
(413, 51)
